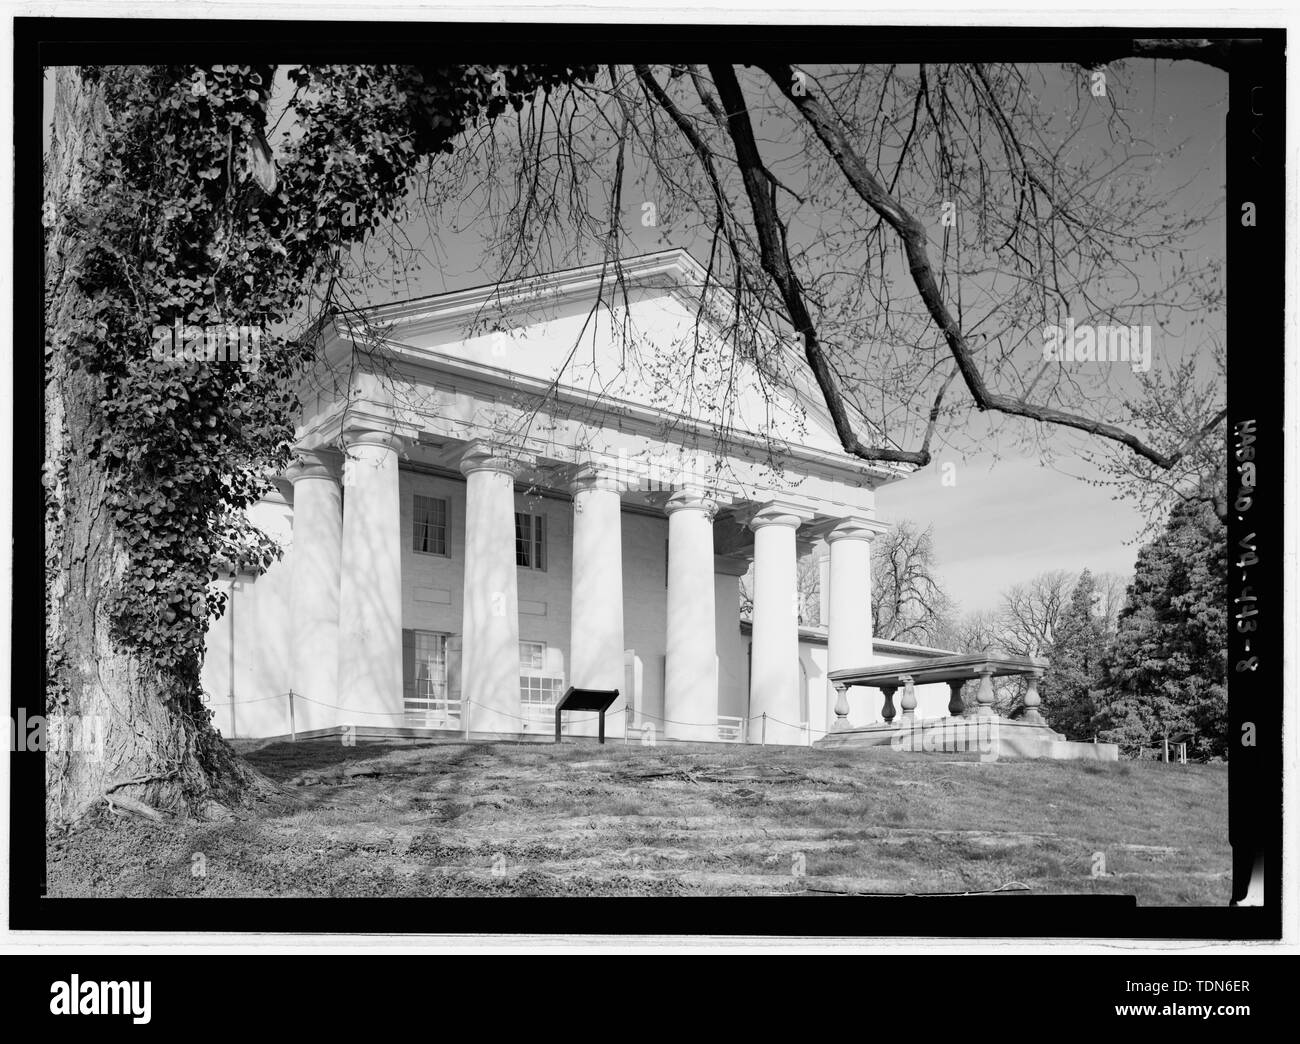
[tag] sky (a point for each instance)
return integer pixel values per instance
(1002, 515)
(1002, 523)
(1008, 517)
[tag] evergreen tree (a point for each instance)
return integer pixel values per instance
(1166, 673)
(1076, 657)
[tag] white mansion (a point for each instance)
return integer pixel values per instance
(501, 492)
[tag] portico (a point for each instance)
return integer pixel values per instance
(348, 590)
(474, 528)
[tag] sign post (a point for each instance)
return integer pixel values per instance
(575, 699)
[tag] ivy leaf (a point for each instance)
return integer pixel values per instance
(262, 163)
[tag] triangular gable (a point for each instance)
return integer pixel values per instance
(650, 344)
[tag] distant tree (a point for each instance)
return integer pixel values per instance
(1112, 590)
(1031, 612)
(908, 602)
(982, 631)
(1026, 622)
(1076, 654)
(976, 632)
(1036, 618)
(1166, 672)
(808, 583)
(807, 587)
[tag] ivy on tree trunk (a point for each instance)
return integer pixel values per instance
(166, 211)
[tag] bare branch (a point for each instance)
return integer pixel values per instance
(913, 236)
(776, 262)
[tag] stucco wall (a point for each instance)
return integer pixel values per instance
(645, 606)
(733, 648)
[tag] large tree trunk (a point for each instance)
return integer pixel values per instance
(158, 747)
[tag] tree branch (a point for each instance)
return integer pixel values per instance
(776, 262)
(913, 235)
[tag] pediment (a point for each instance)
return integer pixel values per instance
(658, 339)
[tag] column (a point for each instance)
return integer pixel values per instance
(690, 674)
(908, 702)
(887, 711)
(370, 587)
(314, 597)
(596, 610)
(490, 618)
(1033, 701)
(956, 705)
(774, 672)
(849, 605)
(984, 694)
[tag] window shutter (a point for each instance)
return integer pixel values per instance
(442, 526)
(419, 520)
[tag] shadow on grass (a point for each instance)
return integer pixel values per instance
(282, 761)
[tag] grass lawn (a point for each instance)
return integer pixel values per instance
(420, 818)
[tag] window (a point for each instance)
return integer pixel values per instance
(532, 656)
(539, 691)
(429, 525)
(426, 699)
(530, 540)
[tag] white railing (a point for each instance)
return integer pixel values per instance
(433, 714)
(731, 730)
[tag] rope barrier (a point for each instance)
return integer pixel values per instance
(517, 717)
(244, 703)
